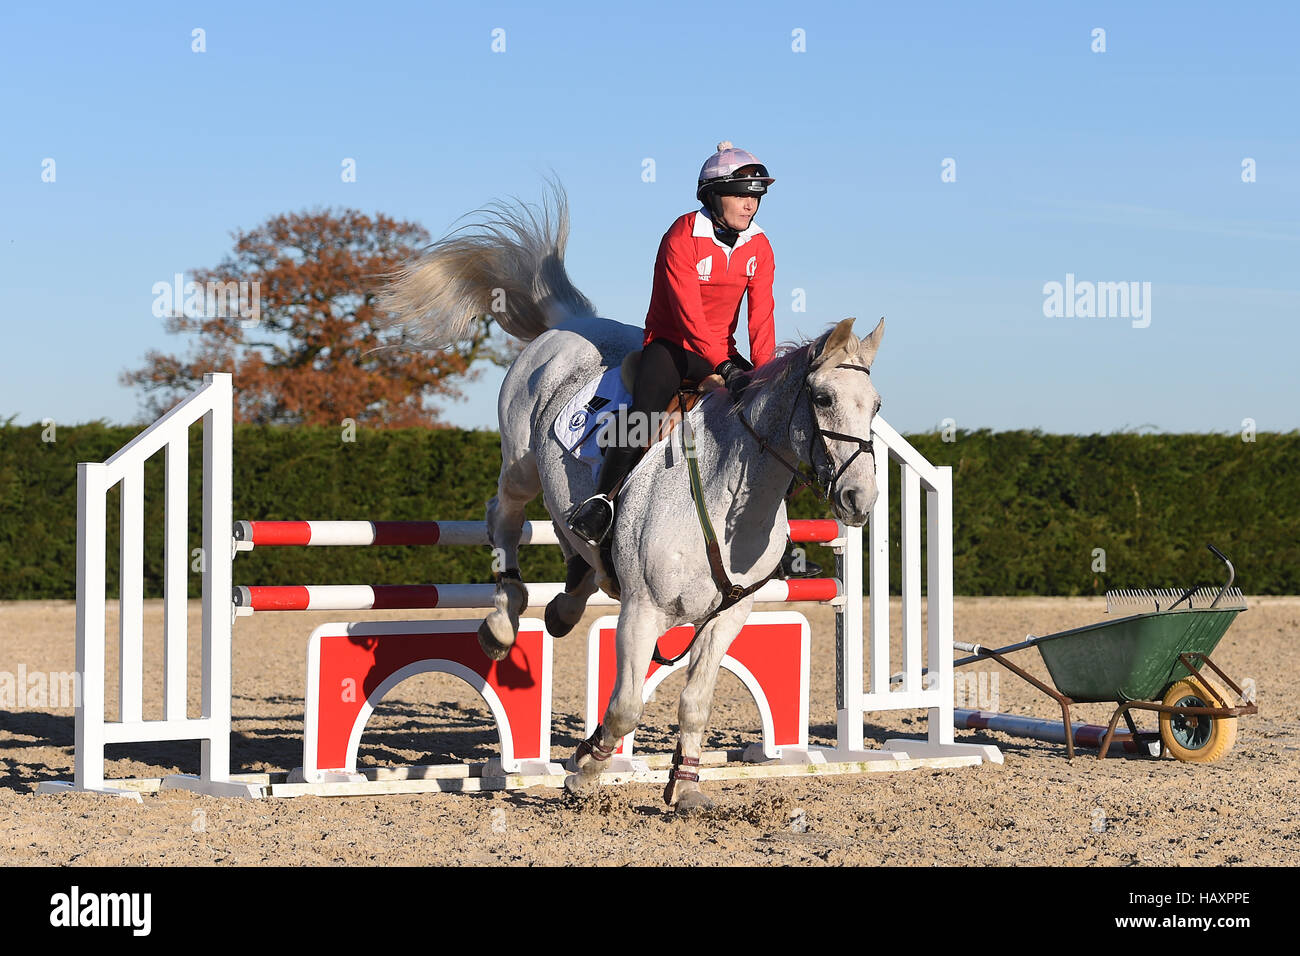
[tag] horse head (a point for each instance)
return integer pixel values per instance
(835, 436)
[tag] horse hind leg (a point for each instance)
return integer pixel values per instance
(566, 609)
(517, 485)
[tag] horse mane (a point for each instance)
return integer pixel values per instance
(506, 262)
(788, 359)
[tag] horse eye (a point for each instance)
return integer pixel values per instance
(824, 399)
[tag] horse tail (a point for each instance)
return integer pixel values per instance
(506, 263)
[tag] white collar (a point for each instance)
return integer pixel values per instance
(703, 229)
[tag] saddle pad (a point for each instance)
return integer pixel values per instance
(591, 410)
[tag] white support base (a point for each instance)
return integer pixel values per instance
(296, 775)
(623, 765)
(211, 788)
(923, 748)
(59, 786)
(526, 768)
(788, 756)
(473, 778)
(836, 756)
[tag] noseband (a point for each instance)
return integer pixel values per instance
(823, 485)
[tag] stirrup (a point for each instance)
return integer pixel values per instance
(786, 570)
(592, 519)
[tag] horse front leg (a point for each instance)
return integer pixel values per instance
(517, 486)
(683, 790)
(639, 626)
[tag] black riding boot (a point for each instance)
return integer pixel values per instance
(592, 519)
(809, 569)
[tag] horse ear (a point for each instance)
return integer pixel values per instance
(840, 340)
(868, 347)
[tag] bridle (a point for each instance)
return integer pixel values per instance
(823, 485)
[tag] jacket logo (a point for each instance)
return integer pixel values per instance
(751, 266)
(705, 268)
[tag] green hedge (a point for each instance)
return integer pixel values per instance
(1030, 508)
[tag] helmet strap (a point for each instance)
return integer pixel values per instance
(725, 233)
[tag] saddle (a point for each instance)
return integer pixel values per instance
(691, 391)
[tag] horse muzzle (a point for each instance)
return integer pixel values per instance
(852, 504)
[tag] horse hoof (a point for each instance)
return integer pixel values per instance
(692, 800)
(556, 626)
(490, 638)
(576, 785)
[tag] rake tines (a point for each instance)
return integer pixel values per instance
(1161, 599)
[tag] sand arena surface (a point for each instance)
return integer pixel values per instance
(1037, 808)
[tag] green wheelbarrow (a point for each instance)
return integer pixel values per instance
(1151, 660)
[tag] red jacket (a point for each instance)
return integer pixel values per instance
(698, 286)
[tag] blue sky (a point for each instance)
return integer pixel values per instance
(1115, 166)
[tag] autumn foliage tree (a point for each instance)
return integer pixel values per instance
(310, 348)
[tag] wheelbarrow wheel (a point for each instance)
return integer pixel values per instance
(1195, 738)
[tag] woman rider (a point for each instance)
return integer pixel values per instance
(708, 260)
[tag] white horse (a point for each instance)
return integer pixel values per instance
(812, 404)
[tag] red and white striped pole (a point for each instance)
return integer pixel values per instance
(250, 534)
(1053, 731)
(365, 597)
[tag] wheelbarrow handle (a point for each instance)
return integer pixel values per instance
(1232, 574)
(977, 652)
